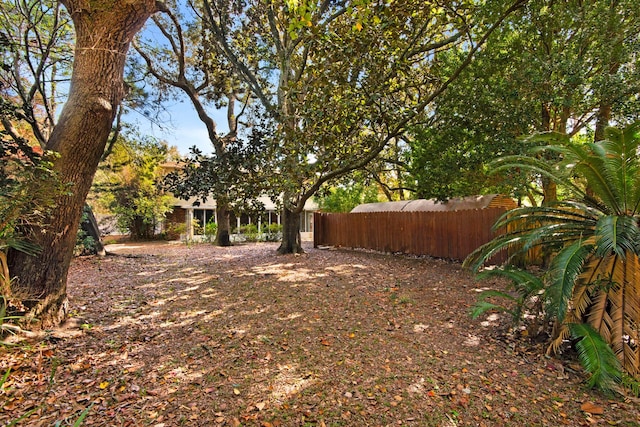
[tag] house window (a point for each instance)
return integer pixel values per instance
(201, 217)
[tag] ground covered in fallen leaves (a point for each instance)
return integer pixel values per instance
(167, 335)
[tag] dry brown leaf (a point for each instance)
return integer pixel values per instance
(591, 408)
(182, 305)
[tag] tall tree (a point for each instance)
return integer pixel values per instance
(179, 58)
(103, 34)
(341, 79)
(448, 153)
(38, 34)
(126, 185)
(236, 176)
(560, 66)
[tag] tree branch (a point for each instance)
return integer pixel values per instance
(242, 68)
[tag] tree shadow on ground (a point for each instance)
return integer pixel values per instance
(202, 335)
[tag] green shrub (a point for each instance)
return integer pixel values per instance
(210, 231)
(250, 232)
(174, 230)
(591, 290)
(85, 244)
(272, 232)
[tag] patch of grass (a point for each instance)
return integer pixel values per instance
(404, 299)
(112, 344)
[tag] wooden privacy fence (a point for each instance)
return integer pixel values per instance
(452, 235)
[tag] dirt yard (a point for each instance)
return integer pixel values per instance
(171, 335)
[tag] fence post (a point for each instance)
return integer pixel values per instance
(316, 228)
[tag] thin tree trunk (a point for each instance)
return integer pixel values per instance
(602, 121)
(5, 278)
(140, 229)
(104, 31)
(550, 191)
(90, 226)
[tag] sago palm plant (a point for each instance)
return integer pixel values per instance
(592, 286)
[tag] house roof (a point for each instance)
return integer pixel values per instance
(433, 205)
(269, 205)
(197, 203)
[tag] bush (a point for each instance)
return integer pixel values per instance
(174, 230)
(250, 232)
(272, 233)
(85, 243)
(210, 231)
(591, 290)
(28, 188)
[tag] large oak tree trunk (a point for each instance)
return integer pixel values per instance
(224, 227)
(291, 240)
(104, 31)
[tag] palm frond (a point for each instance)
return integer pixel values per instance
(585, 160)
(630, 359)
(615, 304)
(495, 293)
(563, 334)
(635, 196)
(621, 176)
(630, 300)
(563, 273)
(631, 384)
(596, 357)
(525, 282)
(537, 166)
(618, 161)
(580, 208)
(548, 138)
(606, 329)
(626, 140)
(528, 227)
(484, 253)
(581, 299)
(531, 217)
(617, 235)
(596, 280)
(599, 181)
(482, 307)
(19, 245)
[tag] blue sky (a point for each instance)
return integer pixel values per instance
(180, 126)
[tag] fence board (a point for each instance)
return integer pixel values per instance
(452, 235)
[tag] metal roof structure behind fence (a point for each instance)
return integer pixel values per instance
(433, 205)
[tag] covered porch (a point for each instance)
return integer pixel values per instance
(189, 220)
